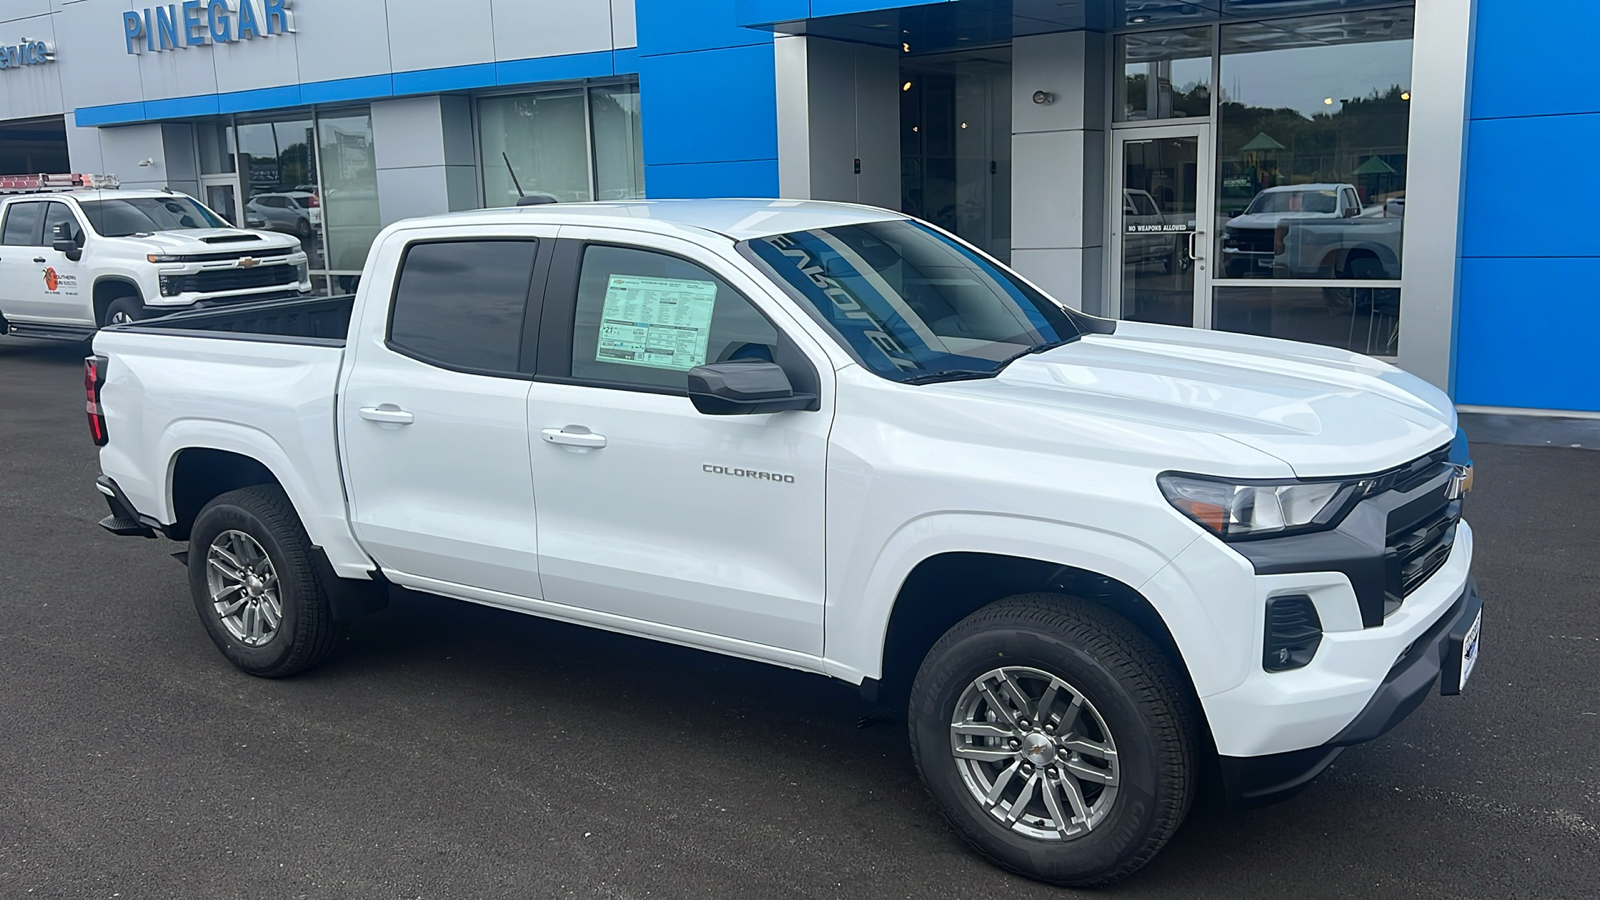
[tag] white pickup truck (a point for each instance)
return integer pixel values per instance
(73, 260)
(1095, 560)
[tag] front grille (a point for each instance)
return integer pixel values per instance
(1252, 240)
(221, 280)
(1422, 529)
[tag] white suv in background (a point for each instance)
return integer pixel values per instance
(74, 261)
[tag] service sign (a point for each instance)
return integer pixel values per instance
(27, 53)
(196, 23)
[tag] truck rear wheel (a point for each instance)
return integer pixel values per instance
(1055, 738)
(251, 577)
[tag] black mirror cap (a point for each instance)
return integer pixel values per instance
(745, 388)
(70, 248)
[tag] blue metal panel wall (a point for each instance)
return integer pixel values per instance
(709, 101)
(1529, 313)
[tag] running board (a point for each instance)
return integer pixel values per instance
(50, 332)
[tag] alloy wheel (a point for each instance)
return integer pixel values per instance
(244, 588)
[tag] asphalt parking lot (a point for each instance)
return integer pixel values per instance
(457, 751)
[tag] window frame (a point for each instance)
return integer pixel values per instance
(38, 227)
(72, 215)
(532, 308)
(556, 334)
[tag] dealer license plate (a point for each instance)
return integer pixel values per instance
(1469, 650)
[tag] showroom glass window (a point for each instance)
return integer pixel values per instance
(1312, 131)
(562, 145)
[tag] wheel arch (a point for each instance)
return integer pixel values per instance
(107, 288)
(947, 587)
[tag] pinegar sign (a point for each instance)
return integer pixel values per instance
(195, 23)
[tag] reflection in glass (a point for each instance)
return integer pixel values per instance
(1361, 319)
(278, 172)
(1160, 179)
(955, 144)
(1165, 74)
(618, 154)
(349, 194)
(1314, 118)
(216, 147)
(534, 145)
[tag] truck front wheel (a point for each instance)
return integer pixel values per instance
(123, 311)
(251, 577)
(1055, 738)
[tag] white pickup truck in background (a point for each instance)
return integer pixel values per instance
(1314, 231)
(1094, 560)
(77, 254)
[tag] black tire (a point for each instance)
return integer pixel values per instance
(306, 633)
(1125, 680)
(302, 229)
(128, 306)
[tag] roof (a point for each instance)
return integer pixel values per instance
(1282, 188)
(740, 219)
(92, 194)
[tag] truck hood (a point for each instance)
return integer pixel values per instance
(1323, 412)
(212, 240)
(1270, 220)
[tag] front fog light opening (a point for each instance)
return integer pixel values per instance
(1294, 631)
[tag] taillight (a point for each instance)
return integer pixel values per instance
(94, 378)
(313, 201)
(1278, 236)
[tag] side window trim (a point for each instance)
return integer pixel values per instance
(530, 312)
(561, 305)
(38, 225)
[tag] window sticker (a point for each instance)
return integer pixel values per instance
(659, 323)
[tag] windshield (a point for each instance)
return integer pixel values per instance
(124, 216)
(1295, 201)
(911, 303)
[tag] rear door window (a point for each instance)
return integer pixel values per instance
(463, 305)
(22, 226)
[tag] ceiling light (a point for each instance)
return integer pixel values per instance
(905, 48)
(1327, 101)
(1405, 95)
(1139, 20)
(906, 86)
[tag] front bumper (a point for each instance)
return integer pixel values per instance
(1438, 651)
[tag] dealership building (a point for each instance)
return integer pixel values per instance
(1351, 172)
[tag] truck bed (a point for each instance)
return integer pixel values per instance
(319, 320)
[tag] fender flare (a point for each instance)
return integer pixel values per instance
(855, 634)
(328, 528)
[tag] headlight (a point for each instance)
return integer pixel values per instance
(1234, 510)
(163, 258)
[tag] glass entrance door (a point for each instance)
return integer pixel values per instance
(1160, 242)
(222, 195)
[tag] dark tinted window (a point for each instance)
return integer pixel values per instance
(461, 304)
(646, 318)
(22, 224)
(124, 216)
(57, 214)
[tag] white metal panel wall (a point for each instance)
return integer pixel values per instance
(421, 38)
(523, 29)
(30, 90)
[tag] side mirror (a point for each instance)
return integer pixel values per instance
(744, 389)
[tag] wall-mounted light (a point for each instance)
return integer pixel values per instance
(147, 162)
(1327, 101)
(905, 87)
(905, 48)
(1044, 98)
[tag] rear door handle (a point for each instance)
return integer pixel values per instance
(38, 259)
(585, 439)
(387, 414)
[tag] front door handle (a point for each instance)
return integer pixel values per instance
(38, 259)
(387, 414)
(585, 439)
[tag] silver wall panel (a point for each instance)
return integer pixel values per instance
(423, 34)
(524, 29)
(12, 10)
(408, 193)
(345, 39)
(407, 133)
(624, 33)
(261, 63)
(95, 67)
(175, 73)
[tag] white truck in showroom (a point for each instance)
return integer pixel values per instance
(77, 254)
(1096, 560)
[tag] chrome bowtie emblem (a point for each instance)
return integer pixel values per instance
(1460, 482)
(247, 262)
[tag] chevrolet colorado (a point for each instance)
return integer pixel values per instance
(1094, 559)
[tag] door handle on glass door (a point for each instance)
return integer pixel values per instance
(1193, 246)
(585, 439)
(387, 414)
